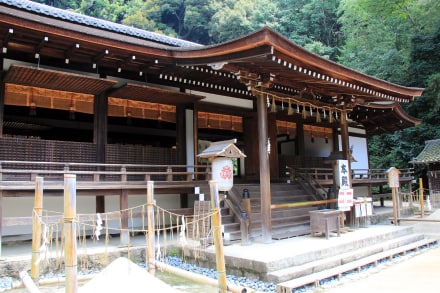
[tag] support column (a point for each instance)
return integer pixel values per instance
(1, 220)
(100, 126)
(181, 135)
(181, 145)
(2, 97)
(346, 156)
(100, 138)
(345, 137)
(273, 157)
(299, 141)
(266, 212)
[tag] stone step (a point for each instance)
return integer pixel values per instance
(314, 278)
(319, 263)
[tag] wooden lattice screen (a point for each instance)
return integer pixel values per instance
(33, 149)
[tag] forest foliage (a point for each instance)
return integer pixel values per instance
(394, 40)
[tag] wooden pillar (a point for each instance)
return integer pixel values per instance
(196, 134)
(250, 146)
(266, 212)
(100, 126)
(273, 156)
(299, 139)
(335, 139)
(346, 156)
(181, 145)
(100, 138)
(2, 97)
(1, 220)
(344, 137)
(181, 134)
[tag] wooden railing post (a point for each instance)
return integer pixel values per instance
(124, 174)
(70, 259)
(123, 206)
(422, 200)
(151, 267)
(36, 228)
(169, 173)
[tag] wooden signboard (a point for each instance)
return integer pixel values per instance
(393, 177)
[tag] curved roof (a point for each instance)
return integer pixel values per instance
(380, 117)
(73, 17)
(268, 52)
(430, 154)
(264, 60)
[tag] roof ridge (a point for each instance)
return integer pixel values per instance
(83, 19)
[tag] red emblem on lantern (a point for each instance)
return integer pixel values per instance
(226, 172)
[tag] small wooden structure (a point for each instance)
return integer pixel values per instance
(430, 157)
(325, 221)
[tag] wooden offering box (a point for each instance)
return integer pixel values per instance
(325, 221)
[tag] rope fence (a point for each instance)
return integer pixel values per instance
(160, 232)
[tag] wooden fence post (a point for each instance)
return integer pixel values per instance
(36, 228)
(422, 199)
(70, 258)
(151, 266)
(217, 235)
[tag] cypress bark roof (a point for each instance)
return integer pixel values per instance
(430, 154)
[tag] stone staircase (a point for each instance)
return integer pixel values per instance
(286, 222)
(334, 260)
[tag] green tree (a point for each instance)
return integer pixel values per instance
(112, 10)
(147, 15)
(378, 36)
(63, 4)
(233, 20)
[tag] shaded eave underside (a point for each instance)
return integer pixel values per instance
(380, 118)
(76, 83)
